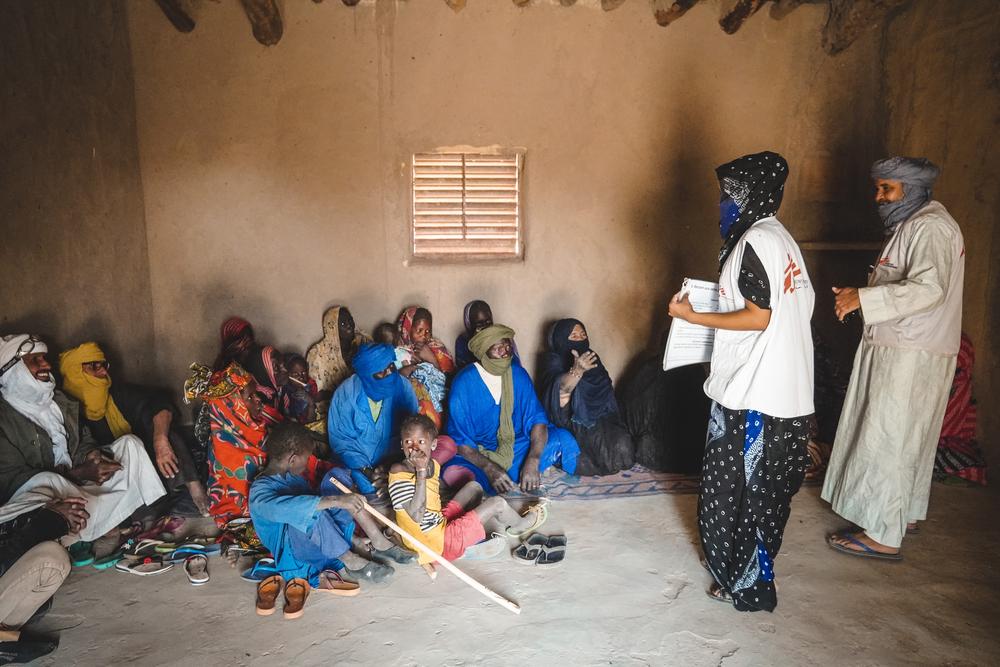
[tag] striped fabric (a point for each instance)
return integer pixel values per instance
(401, 492)
(958, 453)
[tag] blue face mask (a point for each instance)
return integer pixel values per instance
(729, 213)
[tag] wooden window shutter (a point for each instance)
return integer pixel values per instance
(467, 205)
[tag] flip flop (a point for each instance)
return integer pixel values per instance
(556, 541)
(196, 568)
(528, 552)
(146, 567)
(260, 571)
(296, 593)
(139, 548)
(268, 591)
(550, 557)
(165, 547)
(487, 549)
(81, 553)
(337, 585)
(867, 553)
(913, 531)
(716, 592)
(109, 561)
(541, 511)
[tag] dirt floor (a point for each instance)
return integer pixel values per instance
(631, 592)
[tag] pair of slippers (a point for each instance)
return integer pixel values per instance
(541, 549)
(296, 592)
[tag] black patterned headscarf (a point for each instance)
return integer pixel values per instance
(756, 183)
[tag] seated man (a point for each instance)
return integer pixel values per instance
(113, 410)
(310, 533)
(32, 567)
(45, 455)
(365, 414)
(500, 428)
(415, 489)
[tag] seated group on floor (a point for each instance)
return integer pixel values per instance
(424, 437)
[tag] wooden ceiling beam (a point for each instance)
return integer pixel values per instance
(176, 14)
(849, 18)
(265, 19)
(668, 11)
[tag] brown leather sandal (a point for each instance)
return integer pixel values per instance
(267, 594)
(296, 592)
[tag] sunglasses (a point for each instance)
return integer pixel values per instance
(23, 350)
(96, 365)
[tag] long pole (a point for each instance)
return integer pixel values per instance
(443, 562)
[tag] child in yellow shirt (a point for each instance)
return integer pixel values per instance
(415, 492)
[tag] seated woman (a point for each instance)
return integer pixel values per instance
(299, 395)
(238, 429)
(432, 363)
(330, 357)
(500, 428)
(111, 410)
(268, 369)
(476, 317)
(577, 393)
(365, 414)
(237, 340)
(406, 364)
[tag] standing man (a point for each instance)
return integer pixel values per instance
(761, 384)
(880, 473)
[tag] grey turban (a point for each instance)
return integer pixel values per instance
(917, 175)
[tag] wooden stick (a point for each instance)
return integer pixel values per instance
(443, 562)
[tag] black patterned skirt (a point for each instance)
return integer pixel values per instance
(753, 466)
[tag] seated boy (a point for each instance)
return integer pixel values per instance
(414, 489)
(309, 533)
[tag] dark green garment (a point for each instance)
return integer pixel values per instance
(26, 449)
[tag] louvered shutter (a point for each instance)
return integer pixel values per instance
(466, 205)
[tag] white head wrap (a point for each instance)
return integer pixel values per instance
(32, 397)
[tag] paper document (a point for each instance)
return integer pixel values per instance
(692, 343)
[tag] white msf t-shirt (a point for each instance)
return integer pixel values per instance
(770, 371)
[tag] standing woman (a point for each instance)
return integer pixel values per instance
(761, 385)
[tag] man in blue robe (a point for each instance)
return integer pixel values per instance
(366, 411)
(494, 416)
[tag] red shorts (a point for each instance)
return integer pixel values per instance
(461, 533)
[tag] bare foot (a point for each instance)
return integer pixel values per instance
(842, 540)
(198, 495)
(430, 570)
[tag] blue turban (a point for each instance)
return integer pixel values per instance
(917, 175)
(370, 359)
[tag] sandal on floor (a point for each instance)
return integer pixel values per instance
(550, 557)
(541, 510)
(913, 531)
(109, 561)
(81, 553)
(336, 585)
(867, 553)
(260, 571)
(373, 572)
(717, 593)
(528, 552)
(196, 568)
(487, 549)
(139, 548)
(144, 567)
(268, 591)
(556, 541)
(296, 593)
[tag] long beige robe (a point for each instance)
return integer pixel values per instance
(879, 475)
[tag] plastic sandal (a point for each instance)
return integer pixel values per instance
(196, 568)
(867, 552)
(550, 557)
(109, 561)
(267, 594)
(145, 547)
(81, 553)
(296, 593)
(260, 571)
(148, 566)
(541, 509)
(487, 549)
(527, 552)
(336, 585)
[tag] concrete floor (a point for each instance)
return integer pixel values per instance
(630, 593)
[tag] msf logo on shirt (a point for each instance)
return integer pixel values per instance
(793, 279)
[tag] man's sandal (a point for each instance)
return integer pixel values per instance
(267, 594)
(866, 552)
(296, 593)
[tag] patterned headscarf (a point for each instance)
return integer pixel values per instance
(236, 337)
(756, 183)
(917, 174)
(479, 345)
(205, 384)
